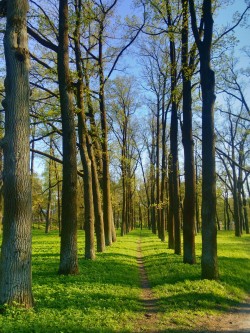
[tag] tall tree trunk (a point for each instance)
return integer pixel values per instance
(163, 165)
(48, 213)
(188, 144)
(99, 224)
(236, 208)
(58, 198)
(124, 199)
(124, 179)
(1, 185)
(32, 158)
(95, 155)
(68, 251)
(197, 201)
(88, 183)
(209, 262)
(15, 262)
(83, 134)
(152, 198)
(170, 224)
(174, 142)
(107, 209)
(245, 210)
(227, 215)
(157, 180)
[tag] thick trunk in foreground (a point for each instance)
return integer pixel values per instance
(68, 253)
(15, 264)
(209, 230)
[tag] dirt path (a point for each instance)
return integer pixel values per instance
(237, 320)
(149, 302)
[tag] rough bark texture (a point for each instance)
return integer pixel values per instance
(15, 268)
(68, 253)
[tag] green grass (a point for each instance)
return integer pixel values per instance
(105, 296)
(184, 298)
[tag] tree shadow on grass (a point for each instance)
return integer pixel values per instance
(109, 268)
(169, 269)
(191, 301)
(235, 271)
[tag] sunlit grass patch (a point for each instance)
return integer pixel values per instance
(104, 297)
(181, 294)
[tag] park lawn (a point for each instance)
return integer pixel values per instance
(105, 296)
(183, 298)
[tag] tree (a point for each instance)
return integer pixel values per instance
(122, 105)
(15, 265)
(68, 252)
(209, 263)
(188, 145)
(174, 198)
(83, 144)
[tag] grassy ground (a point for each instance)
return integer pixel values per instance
(105, 296)
(183, 298)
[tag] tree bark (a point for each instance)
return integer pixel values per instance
(68, 252)
(48, 213)
(83, 134)
(209, 262)
(15, 263)
(174, 142)
(170, 224)
(188, 144)
(107, 209)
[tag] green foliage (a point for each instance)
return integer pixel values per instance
(105, 296)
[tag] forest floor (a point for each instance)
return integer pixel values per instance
(236, 320)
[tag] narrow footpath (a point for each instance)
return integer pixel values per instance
(237, 320)
(151, 321)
